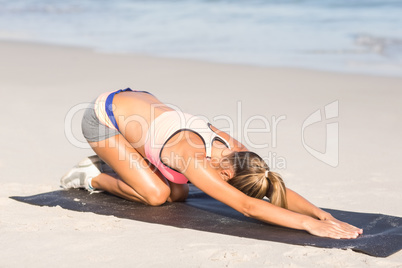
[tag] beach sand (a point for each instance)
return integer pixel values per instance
(41, 85)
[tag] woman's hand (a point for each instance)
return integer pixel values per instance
(328, 226)
(344, 225)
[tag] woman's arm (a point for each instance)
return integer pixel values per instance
(299, 204)
(202, 175)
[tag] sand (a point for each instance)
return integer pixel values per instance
(41, 84)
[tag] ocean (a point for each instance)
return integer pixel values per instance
(353, 36)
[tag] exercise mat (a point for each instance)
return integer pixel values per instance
(382, 233)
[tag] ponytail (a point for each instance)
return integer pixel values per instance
(277, 190)
(252, 177)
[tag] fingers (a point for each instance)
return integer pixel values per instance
(339, 234)
(353, 228)
(335, 234)
(346, 233)
(335, 230)
(345, 226)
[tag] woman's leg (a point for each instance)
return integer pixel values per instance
(178, 192)
(138, 179)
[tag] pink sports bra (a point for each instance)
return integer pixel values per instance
(166, 126)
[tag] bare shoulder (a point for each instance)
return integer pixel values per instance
(234, 144)
(182, 148)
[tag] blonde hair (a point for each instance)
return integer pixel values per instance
(253, 177)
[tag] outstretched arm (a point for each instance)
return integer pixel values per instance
(299, 204)
(208, 180)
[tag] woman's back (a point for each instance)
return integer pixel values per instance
(134, 113)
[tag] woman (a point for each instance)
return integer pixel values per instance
(155, 150)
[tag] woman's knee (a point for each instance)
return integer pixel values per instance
(178, 193)
(157, 196)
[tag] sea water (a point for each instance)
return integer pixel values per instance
(359, 36)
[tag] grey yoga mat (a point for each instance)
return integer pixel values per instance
(382, 233)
